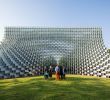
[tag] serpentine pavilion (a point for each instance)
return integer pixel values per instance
(80, 50)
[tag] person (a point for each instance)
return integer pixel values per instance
(64, 72)
(57, 72)
(50, 72)
(46, 74)
(61, 72)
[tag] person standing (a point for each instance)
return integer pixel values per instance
(50, 72)
(61, 72)
(57, 72)
(64, 72)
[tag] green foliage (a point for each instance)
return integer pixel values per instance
(108, 50)
(63, 62)
(75, 87)
(48, 61)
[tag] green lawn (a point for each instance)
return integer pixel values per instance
(75, 87)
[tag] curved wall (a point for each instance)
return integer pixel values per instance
(80, 50)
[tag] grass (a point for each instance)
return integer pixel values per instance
(75, 87)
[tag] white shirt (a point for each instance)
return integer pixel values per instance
(56, 68)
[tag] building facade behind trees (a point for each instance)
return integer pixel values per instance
(80, 50)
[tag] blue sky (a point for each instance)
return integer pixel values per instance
(56, 13)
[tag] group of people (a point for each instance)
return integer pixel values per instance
(60, 72)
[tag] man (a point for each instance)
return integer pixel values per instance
(64, 72)
(50, 72)
(57, 72)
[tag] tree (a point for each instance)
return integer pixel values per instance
(49, 61)
(108, 50)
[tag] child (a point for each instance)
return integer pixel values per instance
(46, 75)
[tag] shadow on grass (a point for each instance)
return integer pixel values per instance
(73, 88)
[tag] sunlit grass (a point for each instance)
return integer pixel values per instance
(75, 87)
